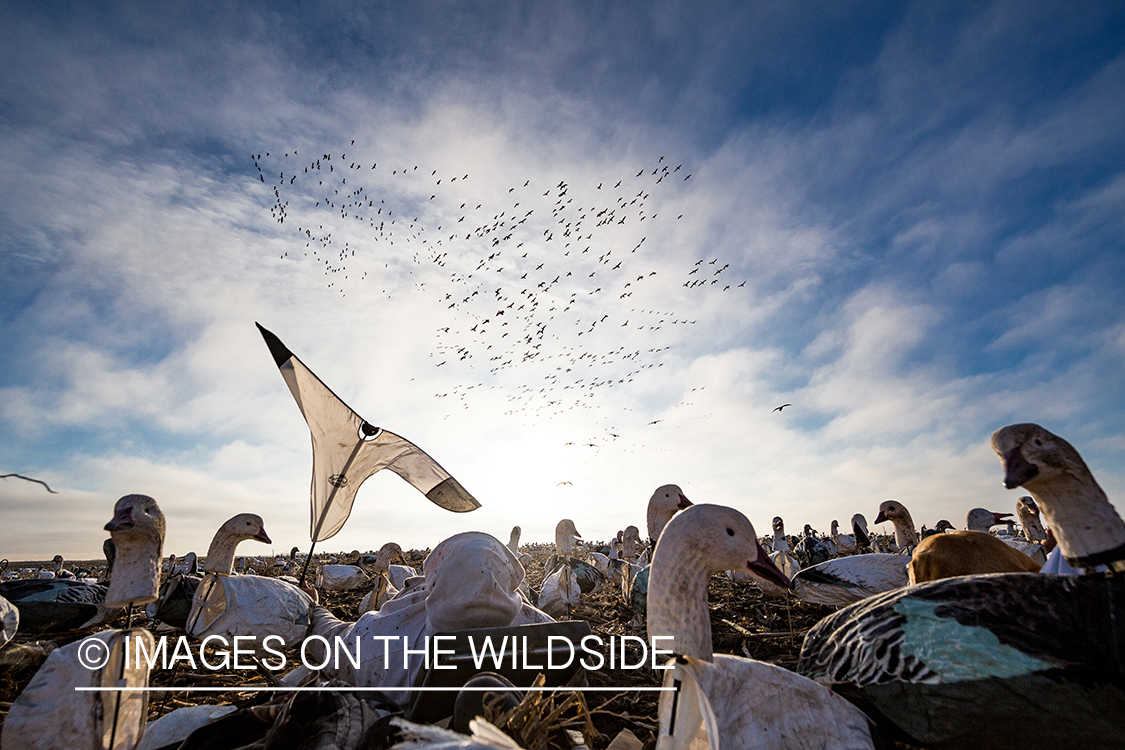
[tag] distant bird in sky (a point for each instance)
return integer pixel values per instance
(782, 407)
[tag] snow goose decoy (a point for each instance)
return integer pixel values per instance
(666, 501)
(1031, 543)
(567, 577)
(979, 519)
(845, 543)
(245, 605)
(1087, 527)
(809, 549)
(385, 588)
(781, 557)
(514, 541)
(343, 577)
(1028, 514)
(725, 701)
(50, 712)
(846, 580)
(999, 660)
(895, 512)
(9, 621)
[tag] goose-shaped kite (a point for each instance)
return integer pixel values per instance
(347, 450)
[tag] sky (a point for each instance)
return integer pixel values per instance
(574, 251)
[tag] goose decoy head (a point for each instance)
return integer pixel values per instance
(246, 526)
(1030, 453)
(889, 510)
(979, 519)
(137, 513)
(943, 526)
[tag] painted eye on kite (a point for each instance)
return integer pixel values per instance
(369, 432)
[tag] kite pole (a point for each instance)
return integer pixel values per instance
(327, 505)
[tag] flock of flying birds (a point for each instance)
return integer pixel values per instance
(532, 279)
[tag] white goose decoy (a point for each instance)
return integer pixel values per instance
(781, 557)
(384, 589)
(780, 543)
(1028, 514)
(895, 512)
(979, 519)
(50, 713)
(514, 541)
(560, 591)
(725, 701)
(631, 544)
(1031, 543)
(1002, 660)
(845, 543)
(45, 575)
(245, 605)
(343, 577)
(9, 621)
(845, 580)
(1086, 525)
(666, 501)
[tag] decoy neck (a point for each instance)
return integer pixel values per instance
(220, 555)
(1087, 526)
(700, 541)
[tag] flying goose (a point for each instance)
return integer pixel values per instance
(725, 701)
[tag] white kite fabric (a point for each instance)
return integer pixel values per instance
(347, 450)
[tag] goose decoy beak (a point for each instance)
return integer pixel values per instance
(123, 519)
(1017, 469)
(999, 517)
(262, 536)
(684, 502)
(764, 567)
(881, 518)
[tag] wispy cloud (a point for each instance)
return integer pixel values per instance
(919, 231)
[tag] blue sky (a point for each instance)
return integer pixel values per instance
(918, 211)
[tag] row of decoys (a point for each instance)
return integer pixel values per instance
(951, 663)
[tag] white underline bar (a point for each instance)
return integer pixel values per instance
(337, 689)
